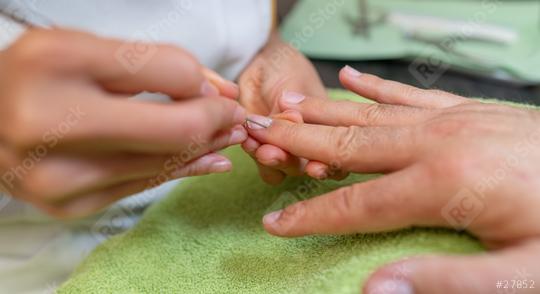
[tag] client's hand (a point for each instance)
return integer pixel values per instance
(449, 161)
(71, 142)
(278, 69)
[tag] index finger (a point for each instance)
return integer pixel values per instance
(355, 149)
(116, 65)
(140, 126)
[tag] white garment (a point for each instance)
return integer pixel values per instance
(38, 253)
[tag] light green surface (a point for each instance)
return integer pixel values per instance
(319, 29)
(206, 237)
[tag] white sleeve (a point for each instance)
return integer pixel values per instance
(9, 31)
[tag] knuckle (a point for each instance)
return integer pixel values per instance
(350, 201)
(455, 168)
(24, 128)
(39, 48)
(202, 119)
(370, 114)
(290, 132)
(436, 93)
(345, 200)
(414, 93)
(188, 64)
(345, 140)
(444, 127)
(376, 204)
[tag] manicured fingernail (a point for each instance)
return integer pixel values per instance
(209, 90)
(257, 122)
(272, 217)
(351, 72)
(322, 174)
(238, 136)
(391, 286)
(221, 166)
(289, 97)
(240, 115)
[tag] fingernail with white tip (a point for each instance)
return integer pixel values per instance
(221, 166)
(289, 97)
(257, 122)
(351, 72)
(209, 90)
(272, 217)
(238, 136)
(391, 286)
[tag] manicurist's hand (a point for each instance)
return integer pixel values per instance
(448, 161)
(72, 143)
(278, 70)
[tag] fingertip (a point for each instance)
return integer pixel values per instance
(208, 89)
(317, 170)
(393, 278)
(211, 114)
(231, 90)
(350, 73)
(240, 115)
(270, 222)
(288, 222)
(291, 100)
(349, 76)
(221, 166)
(212, 163)
(238, 135)
(270, 155)
(250, 145)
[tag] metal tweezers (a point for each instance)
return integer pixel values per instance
(254, 122)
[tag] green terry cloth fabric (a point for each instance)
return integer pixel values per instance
(207, 237)
(320, 29)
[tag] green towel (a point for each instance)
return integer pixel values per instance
(320, 29)
(207, 237)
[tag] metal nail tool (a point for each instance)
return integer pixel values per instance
(257, 123)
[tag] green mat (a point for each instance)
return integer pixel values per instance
(320, 29)
(207, 237)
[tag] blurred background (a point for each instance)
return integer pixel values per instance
(487, 49)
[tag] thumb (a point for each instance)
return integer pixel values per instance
(513, 270)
